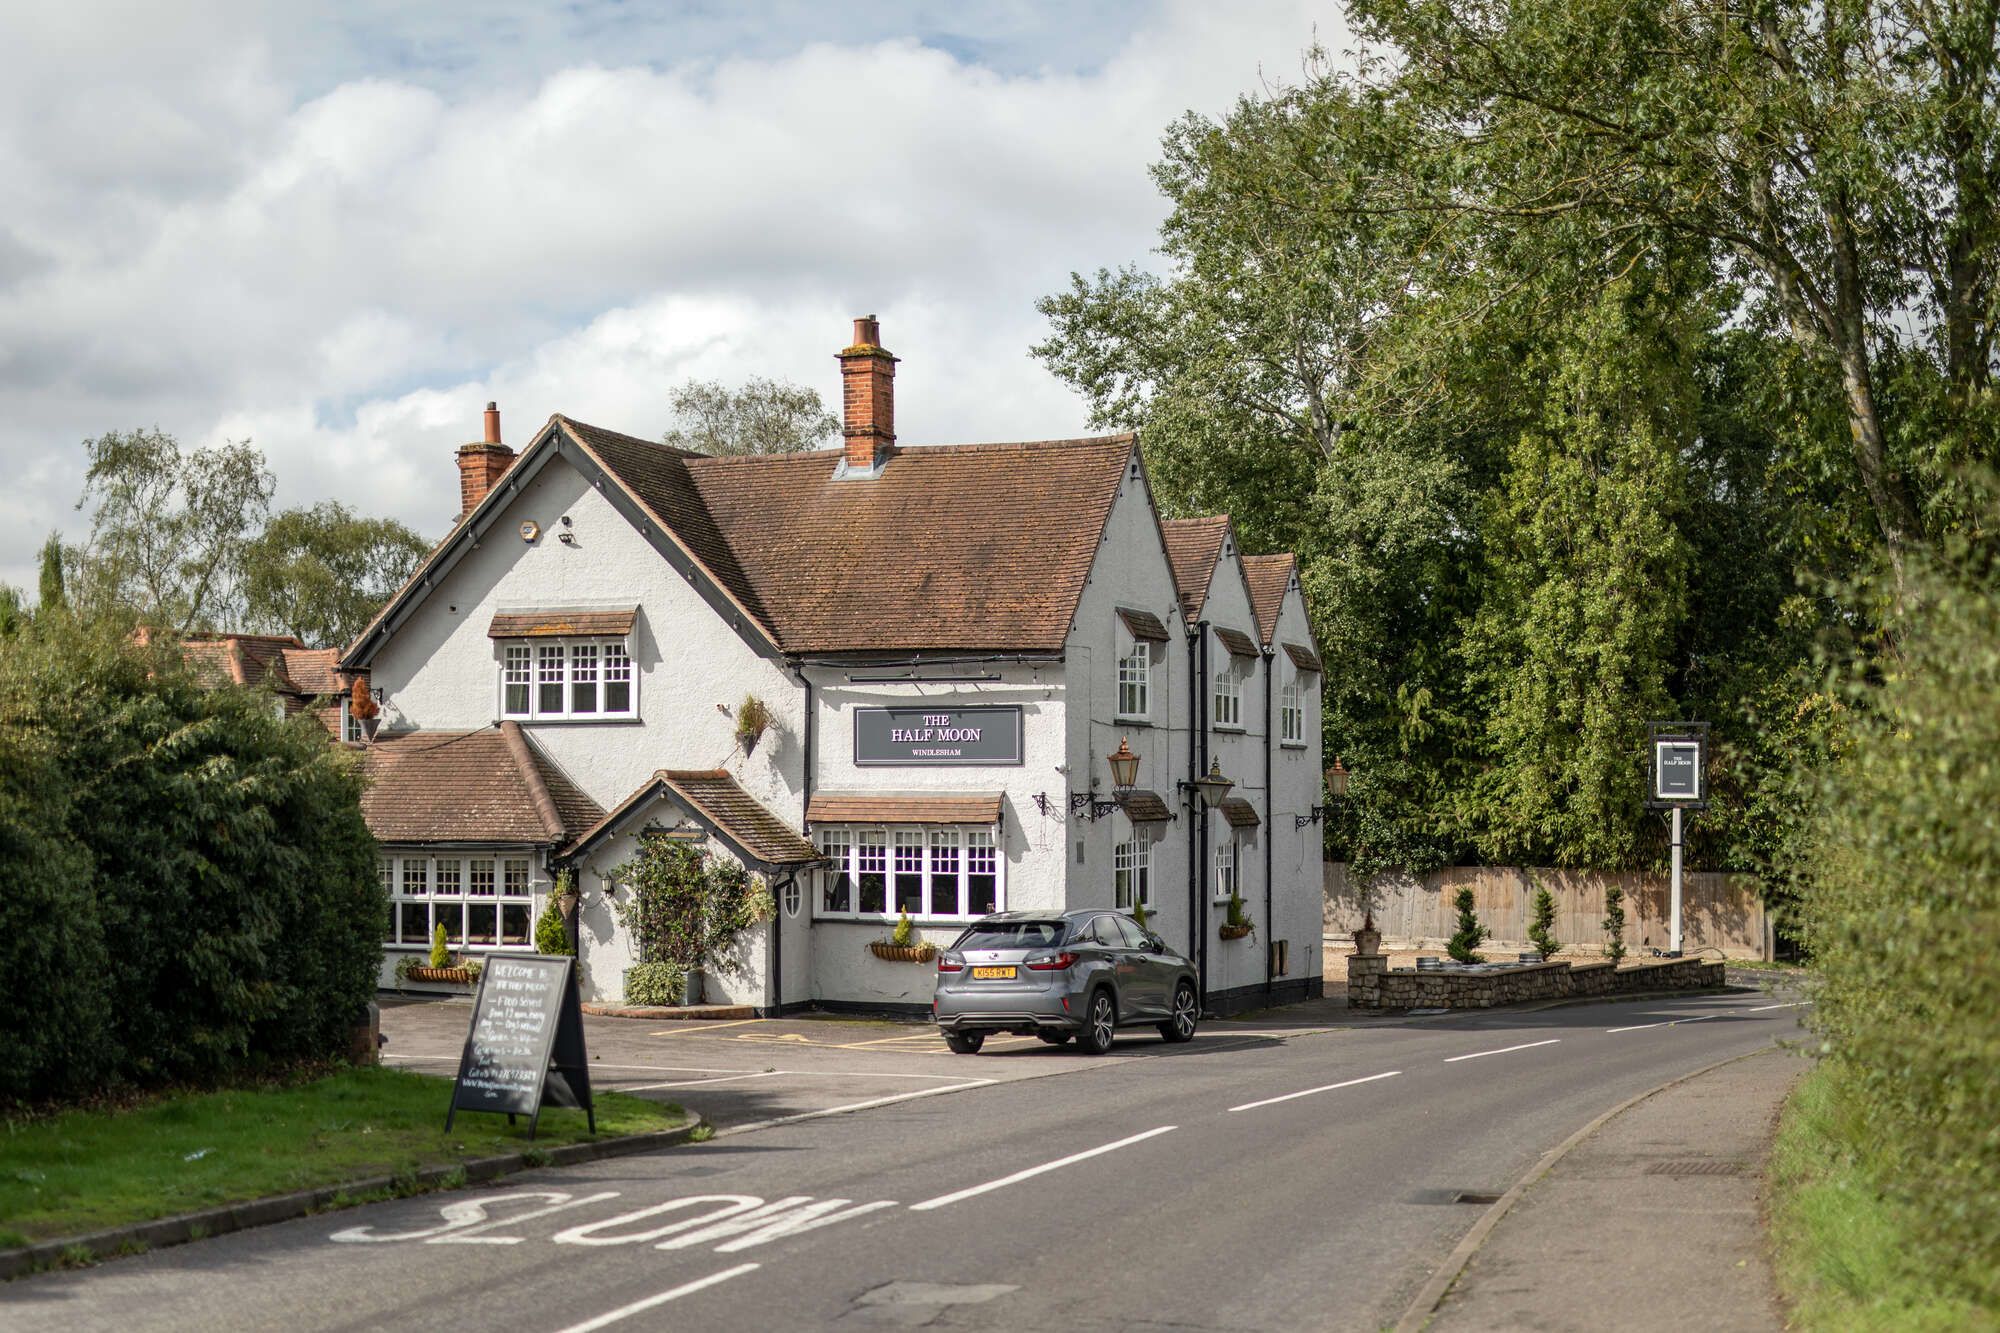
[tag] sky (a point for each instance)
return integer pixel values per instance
(339, 230)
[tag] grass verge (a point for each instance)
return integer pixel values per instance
(83, 1170)
(1844, 1257)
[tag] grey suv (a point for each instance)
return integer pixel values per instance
(1081, 974)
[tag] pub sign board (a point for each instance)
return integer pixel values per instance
(525, 1046)
(1679, 765)
(928, 734)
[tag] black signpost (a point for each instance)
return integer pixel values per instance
(1679, 784)
(525, 1046)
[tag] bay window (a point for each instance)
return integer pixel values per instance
(934, 873)
(568, 680)
(482, 901)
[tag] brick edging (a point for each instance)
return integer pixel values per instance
(161, 1232)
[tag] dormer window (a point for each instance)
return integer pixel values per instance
(568, 680)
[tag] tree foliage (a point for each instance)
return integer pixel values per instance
(764, 416)
(193, 891)
(169, 528)
(321, 574)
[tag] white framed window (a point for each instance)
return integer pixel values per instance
(1132, 874)
(1135, 671)
(350, 725)
(1291, 714)
(568, 680)
(1228, 709)
(794, 898)
(1225, 868)
(482, 901)
(949, 874)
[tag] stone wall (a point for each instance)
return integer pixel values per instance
(1719, 912)
(1372, 984)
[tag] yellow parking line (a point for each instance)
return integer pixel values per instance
(698, 1027)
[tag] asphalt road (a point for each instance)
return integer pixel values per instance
(1268, 1176)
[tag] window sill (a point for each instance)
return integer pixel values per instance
(1291, 745)
(619, 720)
(891, 918)
(1124, 720)
(1236, 729)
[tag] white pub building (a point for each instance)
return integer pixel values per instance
(950, 643)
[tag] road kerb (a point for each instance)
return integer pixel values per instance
(161, 1232)
(1420, 1310)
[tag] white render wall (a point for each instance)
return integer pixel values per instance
(1236, 963)
(440, 672)
(1297, 784)
(1131, 571)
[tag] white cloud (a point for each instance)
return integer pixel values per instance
(347, 277)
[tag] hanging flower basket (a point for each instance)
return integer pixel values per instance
(902, 953)
(1229, 932)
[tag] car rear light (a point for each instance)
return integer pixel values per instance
(1051, 962)
(950, 964)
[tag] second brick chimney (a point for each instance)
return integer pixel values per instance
(868, 398)
(481, 465)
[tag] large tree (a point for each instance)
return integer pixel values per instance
(764, 416)
(322, 573)
(169, 528)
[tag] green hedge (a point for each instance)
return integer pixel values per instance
(1903, 921)
(190, 890)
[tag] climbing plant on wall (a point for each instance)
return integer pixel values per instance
(686, 906)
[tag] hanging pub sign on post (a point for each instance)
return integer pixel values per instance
(1679, 783)
(525, 1046)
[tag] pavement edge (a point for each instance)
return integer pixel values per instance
(162, 1232)
(1420, 1310)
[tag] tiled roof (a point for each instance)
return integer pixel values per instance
(1142, 806)
(888, 808)
(1269, 576)
(1143, 624)
(1239, 812)
(311, 670)
(1192, 546)
(1237, 642)
(952, 546)
(489, 785)
(542, 624)
(279, 660)
(716, 796)
(1304, 658)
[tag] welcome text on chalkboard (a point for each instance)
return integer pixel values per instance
(525, 1046)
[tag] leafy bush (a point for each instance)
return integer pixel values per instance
(1238, 918)
(192, 891)
(1901, 914)
(1614, 923)
(905, 933)
(440, 950)
(551, 935)
(686, 907)
(1541, 928)
(654, 983)
(1464, 943)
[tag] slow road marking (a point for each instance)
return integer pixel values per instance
(1019, 1176)
(1524, 1046)
(1293, 1096)
(671, 1294)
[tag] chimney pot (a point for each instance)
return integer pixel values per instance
(481, 465)
(868, 398)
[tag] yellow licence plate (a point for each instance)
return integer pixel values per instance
(992, 974)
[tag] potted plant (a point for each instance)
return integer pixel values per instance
(752, 717)
(1238, 923)
(361, 706)
(903, 946)
(443, 967)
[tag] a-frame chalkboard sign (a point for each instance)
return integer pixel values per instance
(525, 1046)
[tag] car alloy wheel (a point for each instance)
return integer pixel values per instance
(1096, 1035)
(1186, 1014)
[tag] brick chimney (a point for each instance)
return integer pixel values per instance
(481, 465)
(868, 398)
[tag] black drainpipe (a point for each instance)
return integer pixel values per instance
(1270, 833)
(1199, 807)
(805, 802)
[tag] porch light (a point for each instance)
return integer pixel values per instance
(1214, 786)
(1124, 766)
(1336, 780)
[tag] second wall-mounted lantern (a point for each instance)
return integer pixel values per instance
(1336, 792)
(1124, 772)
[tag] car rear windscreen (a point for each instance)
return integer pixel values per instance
(1011, 935)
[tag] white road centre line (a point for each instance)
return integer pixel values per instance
(672, 1294)
(956, 1195)
(1293, 1096)
(1525, 1046)
(1665, 1023)
(855, 1106)
(689, 1082)
(1794, 1004)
